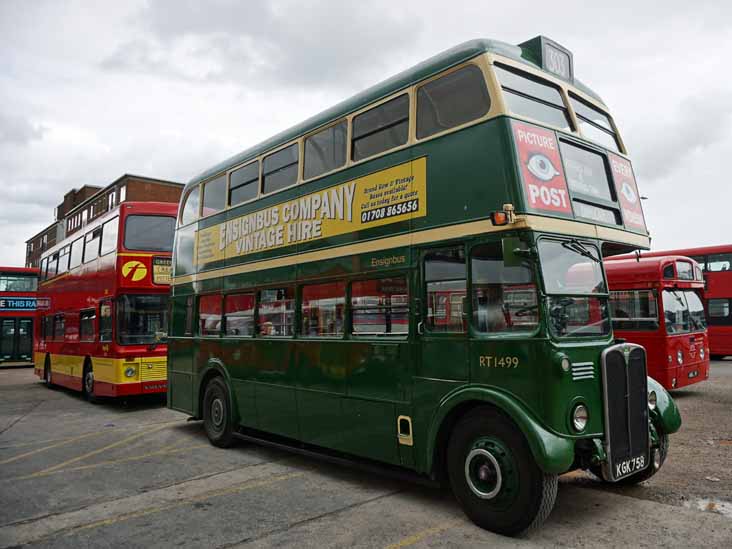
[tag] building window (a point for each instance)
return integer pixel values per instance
(323, 307)
(380, 307)
(209, 315)
(276, 312)
(381, 128)
(122, 193)
(239, 315)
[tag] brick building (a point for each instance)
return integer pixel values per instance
(85, 204)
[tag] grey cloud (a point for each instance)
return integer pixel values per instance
(260, 44)
(695, 125)
(18, 130)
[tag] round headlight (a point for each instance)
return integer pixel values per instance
(580, 417)
(652, 399)
(565, 364)
(702, 353)
(679, 357)
(130, 372)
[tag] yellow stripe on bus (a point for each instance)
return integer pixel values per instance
(110, 370)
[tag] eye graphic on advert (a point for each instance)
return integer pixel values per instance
(541, 167)
(628, 192)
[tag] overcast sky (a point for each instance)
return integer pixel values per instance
(90, 90)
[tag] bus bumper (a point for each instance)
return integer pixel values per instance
(105, 389)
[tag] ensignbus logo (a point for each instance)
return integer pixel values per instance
(134, 270)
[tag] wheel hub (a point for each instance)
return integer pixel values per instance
(483, 473)
(217, 412)
(89, 381)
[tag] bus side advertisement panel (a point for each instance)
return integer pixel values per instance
(627, 191)
(388, 196)
(545, 185)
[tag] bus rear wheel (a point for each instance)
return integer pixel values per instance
(217, 414)
(494, 476)
(47, 373)
(87, 383)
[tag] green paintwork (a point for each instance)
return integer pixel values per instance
(430, 67)
(346, 393)
(553, 453)
(666, 416)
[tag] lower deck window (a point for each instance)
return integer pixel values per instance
(380, 307)
(276, 312)
(239, 315)
(323, 309)
(140, 318)
(634, 310)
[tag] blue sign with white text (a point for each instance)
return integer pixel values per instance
(17, 303)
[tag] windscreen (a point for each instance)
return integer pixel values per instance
(683, 312)
(140, 318)
(573, 278)
(150, 233)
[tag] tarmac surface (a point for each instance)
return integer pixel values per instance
(137, 474)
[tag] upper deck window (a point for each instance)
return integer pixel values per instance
(381, 128)
(594, 124)
(77, 250)
(325, 151)
(150, 233)
(10, 283)
(684, 270)
(109, 236)
(91, 244)
(533, 98)
(190, 209)
(214, 195)
(451, 100)
(719, 262)
(280, 169)
(243, 184)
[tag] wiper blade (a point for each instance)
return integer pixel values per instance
(577, 247)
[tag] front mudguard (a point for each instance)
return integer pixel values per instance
(666, 418)
(552, 453)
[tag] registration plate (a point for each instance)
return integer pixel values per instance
(629, 466)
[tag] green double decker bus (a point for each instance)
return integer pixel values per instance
(414, 278)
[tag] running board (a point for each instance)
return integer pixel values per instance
(344, 460)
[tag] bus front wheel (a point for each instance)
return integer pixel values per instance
(494, 476)
(47, 373)
(87, 383)
(217, 414)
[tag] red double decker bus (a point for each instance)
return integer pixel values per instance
(18, 287)
(716, 263)
(657, 302)
(104, 291)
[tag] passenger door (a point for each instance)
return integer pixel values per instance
(7, 339)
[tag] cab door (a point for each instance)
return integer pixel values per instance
(25, 339)
(444, 316)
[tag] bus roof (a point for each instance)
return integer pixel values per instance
(30, 271)
(628, 270)
(702, 250)
(425, 69)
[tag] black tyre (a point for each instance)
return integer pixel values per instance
(716, 357)
(87, 383)
(47, 373)
(217, 420)
(494, 476)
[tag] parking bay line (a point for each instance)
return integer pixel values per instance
(98, 451)
(166, 451)
(161, 499)
(419, 536)
(56, 445)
